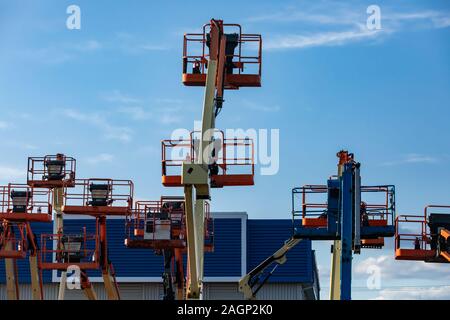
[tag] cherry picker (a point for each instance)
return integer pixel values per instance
(88, 249)
(218, 64)
(424, 238)
(161, 226)
(346, 217)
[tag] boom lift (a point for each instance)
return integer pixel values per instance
(347, 216)
(426, 237)
(86, 250)
(53, 172)
(161, 226)
(20, 205)
(218, 64)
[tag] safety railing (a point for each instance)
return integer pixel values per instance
(162, 224)
(243, 54)
(377, 205)
(231, 164)
(20, 202)
(51, 171)
(59, 251)
(417, 236)
(411, 233)
(13, 240)
(99, 197)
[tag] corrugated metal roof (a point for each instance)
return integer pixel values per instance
(264, 237)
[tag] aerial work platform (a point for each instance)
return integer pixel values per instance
(424, 238)
(99, 197)
(242, 54)
(318, 207)
(20, 202)
(162, 225)
(51, 171)
(231, 165)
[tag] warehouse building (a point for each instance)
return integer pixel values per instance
(240, 245)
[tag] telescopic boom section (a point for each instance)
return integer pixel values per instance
(195, 176)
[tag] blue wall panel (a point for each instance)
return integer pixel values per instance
(265, 237)
(225, 261)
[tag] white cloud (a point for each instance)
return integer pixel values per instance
(167, 118)
(332, 38)
(162, 113)
(313, 15)
(4, 125)
(260, 107)
(415, 293)
(135, 112)
(55, 54)
(87, 46)
(117, 96)
(412, 158)
(123, 134)
(132, 44)
(11, 174)
(340, 24)
(394, 269)
(101, 158)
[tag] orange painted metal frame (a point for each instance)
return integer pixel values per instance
(200, 60)
(39, 208)
(422, 239)
(313, 213)
(224, 162)
(121, 193)
(136, 222)
(49, 252)
(18, 242)
(37, 171)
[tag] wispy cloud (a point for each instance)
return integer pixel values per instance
(167, 118)
(393, 269)
(100, 158)
(135, 112)
(55, 54)
(132, 44)
(4, 125)
(11, 174)
(415, 293)
(260, 107)
(294, 41)
(412, 158)
(341, 24)
(118, 96)
(161, 110)
(120, 133)
(86, 46)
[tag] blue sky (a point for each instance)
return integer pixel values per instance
(108, 93)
